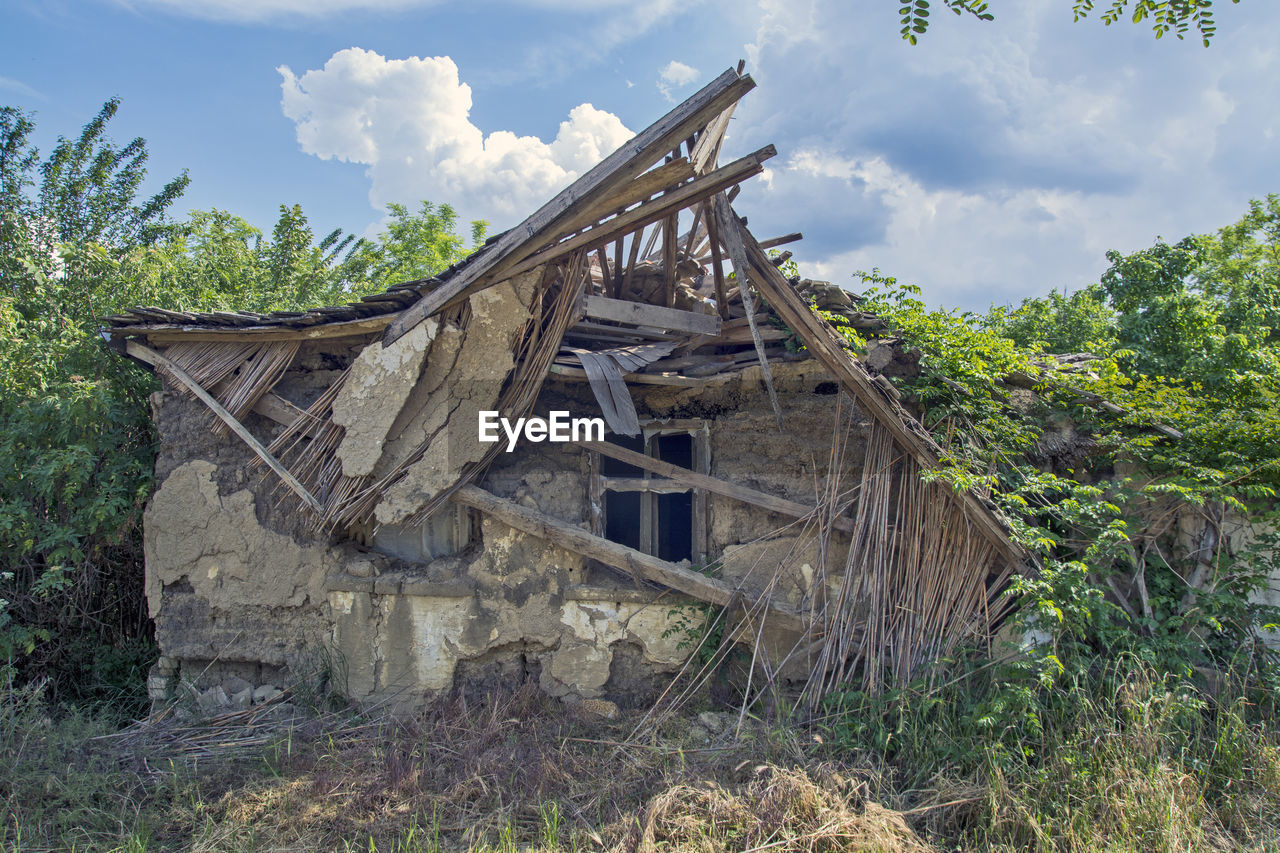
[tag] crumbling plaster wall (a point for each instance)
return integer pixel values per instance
(233, 578)
(748, 448)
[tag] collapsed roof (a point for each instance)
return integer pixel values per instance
(616, 292)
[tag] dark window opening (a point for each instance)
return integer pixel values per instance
(676, 449)
(622, 518)
(673, 527)
(662, 519)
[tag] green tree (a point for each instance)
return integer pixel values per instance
(75, 442)
(78, 242)
(1166, 16)
(1178, 415)
(216, 260)
(418, 246)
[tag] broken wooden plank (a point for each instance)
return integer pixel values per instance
(616, 287)
(654, 316)
(743, 335)
(668, 176)
(646, 214)
(781, 241)
(155, 359)
(627, 334)
(167, 334)
(681, 362)
(277, 408)
(610, 391)
(620, 167)
(782, 506)
(717, 266)
(573, 538)
(727, 225)
(632, 256)
(707, 149)
(669, 257)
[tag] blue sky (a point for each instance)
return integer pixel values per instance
(990, 162)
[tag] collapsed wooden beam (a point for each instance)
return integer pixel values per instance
(707, 149)
(155, 359)
(172, 332)
(620, 167)
(659, 208)
(822, 341)
(781, 241)
(782, 506)
(655, 316)
(729, 235)
(668, 176)
(650, 568)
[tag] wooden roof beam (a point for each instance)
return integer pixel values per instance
(658, 209)
(647, 148)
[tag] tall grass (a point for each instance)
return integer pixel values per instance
(1116, 757)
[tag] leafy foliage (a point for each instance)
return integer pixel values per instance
(418, 246)
(1138, 664)
(74, 435)
(78, 242)
(1166, 16)
(1133, 528)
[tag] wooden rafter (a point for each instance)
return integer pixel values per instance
(654, 211)
(629, 161)
(726, 222)
(150, 356)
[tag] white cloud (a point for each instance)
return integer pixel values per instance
(974, 242)
(408, 121)
(675, 75)
(256, 11)
(996, 161)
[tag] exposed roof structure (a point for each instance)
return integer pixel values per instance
(608, 309)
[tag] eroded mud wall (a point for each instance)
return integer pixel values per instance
(239, 588)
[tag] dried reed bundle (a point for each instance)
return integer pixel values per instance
(236, 373)
(918, 582)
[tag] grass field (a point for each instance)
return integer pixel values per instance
(522, 772)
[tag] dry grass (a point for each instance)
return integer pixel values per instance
(517, 771)
(797, 809)
(521, 771)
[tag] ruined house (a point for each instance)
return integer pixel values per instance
(324, 493)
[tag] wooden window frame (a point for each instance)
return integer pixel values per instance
(650, 485)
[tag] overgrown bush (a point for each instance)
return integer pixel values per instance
(1138, 714)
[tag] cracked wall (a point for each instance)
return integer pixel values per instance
(235, 579)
